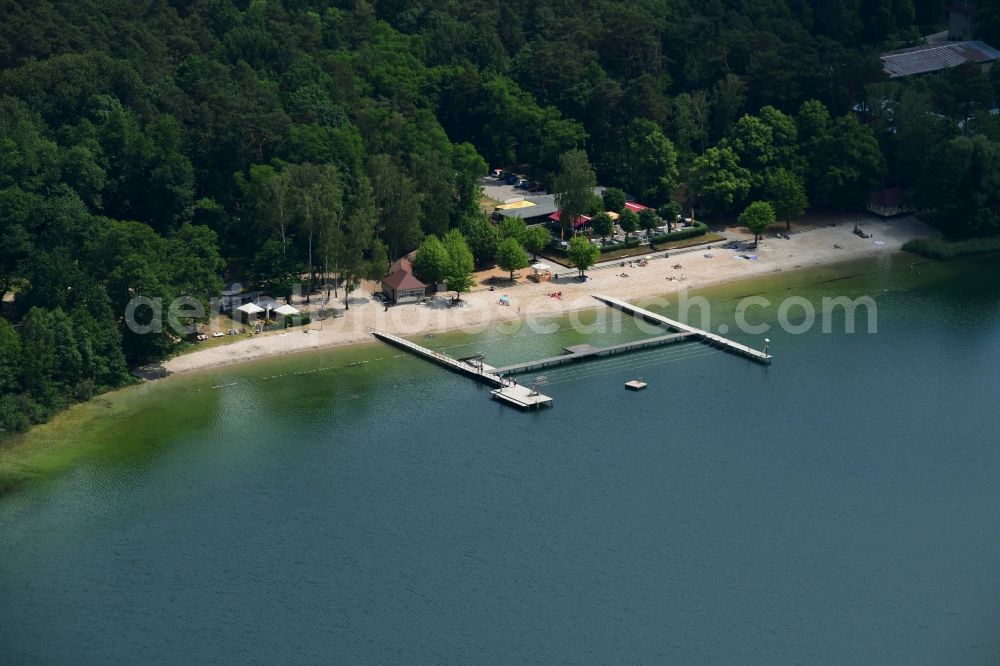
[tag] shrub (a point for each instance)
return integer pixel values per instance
(630, 243)
(698, 229)
(295, 320)
(12, 415)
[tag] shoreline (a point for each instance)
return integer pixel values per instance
(699, 268)
(42, 451)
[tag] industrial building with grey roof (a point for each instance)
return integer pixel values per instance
(936, 57)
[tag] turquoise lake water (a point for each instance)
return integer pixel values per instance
(360, 505)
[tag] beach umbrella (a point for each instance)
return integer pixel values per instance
(286, 310)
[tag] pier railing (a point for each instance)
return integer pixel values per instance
(702, 335)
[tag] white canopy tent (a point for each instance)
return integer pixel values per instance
(286, 310)
(250, 308)
(539, 267)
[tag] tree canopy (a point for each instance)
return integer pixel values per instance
(460, 265)
(629, 222)
(582, 253)
(511, 256)
(153, 150)
(603, 225)
(757, 217)
(574, 186)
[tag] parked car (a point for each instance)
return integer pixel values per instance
(521, 184)
(497, 173)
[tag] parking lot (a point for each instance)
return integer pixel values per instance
(496, 189)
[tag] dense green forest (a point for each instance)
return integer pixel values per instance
(152, 148)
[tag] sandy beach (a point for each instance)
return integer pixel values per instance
(811, 244)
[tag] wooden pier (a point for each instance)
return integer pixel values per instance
(505, 390)
(584, 352)
(703, 336)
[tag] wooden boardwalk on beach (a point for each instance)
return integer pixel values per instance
(512, 394)
(703, 336)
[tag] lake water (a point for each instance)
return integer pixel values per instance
(839, 506)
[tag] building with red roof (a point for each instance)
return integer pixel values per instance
(401, 284)
(580, 221)
(636, 207)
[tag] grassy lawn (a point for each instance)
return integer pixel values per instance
(487, 204)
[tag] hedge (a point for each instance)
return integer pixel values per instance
(699, 229)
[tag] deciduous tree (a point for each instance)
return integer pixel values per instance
(652, 162)
(10, 357)
(786, 193)
(513, 227)
(460, 263)
(613, 199)
(431, 262)
(669, 212)
(603, 225)
(582, 253)
(718, 181)
(628, 222)
(574, 187)
(511, 256)
(648, 220)
(757, 217)
(482, 236)
(536, 238)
